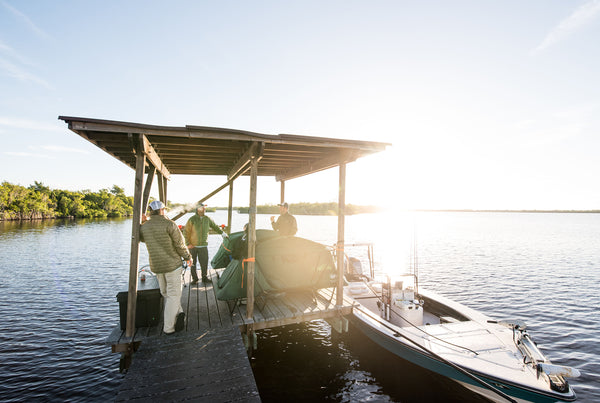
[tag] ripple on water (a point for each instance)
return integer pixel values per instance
(59, 304)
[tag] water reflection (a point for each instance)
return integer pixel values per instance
(16, 226)
(60, 278)
(326, 366)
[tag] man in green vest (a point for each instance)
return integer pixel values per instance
(196, 237)
(166, 248)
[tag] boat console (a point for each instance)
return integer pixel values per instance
(399, 305)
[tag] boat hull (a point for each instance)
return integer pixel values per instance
(401, 347)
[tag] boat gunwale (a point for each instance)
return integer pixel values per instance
(568, 396)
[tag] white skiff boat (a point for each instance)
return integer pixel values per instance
(497, 359)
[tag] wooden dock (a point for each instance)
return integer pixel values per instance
(209, 366)
(208, 360)
(152, 150)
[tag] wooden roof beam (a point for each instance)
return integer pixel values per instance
(153, 157)
(255, 150)
(343, 156)
(172, 150)
(108, 126)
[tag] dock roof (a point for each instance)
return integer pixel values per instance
(201, 150)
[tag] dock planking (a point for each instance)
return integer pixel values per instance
(204, 366)
(204, 311)
(207, 361)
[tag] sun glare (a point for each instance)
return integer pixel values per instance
(394, 244)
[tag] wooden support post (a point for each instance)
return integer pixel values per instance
(135, 239)
(339, 324)
(164, 192)
(161, 188)
(251, 238)
(282, 192)
(250, 339)
(230, 208)
(147, 187)
(340, 243)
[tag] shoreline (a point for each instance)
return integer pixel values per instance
(329, 213)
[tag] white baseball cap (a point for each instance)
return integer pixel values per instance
(156, 205)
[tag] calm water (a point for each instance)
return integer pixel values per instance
(59, 280)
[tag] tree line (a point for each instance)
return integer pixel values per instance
(330, 208)
(39, 201)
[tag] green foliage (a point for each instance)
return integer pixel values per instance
(313, 209)
(39, 201)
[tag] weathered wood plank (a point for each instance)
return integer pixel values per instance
(303, 302)
(214, 316)
(195, 297)
(191, 310)
(202, 304)
(326, 294)
(257, 314)
(322, 304)
(168, 369)
(278, 307)
(141, 333)
(266, 308)
(238, 317)
(114, 336)
(312, 303)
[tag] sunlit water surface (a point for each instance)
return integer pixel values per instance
(59, 281)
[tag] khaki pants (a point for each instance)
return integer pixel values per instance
(170, 288)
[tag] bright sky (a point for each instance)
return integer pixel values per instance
(489, 105)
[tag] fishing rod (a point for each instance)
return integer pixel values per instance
(415, 326)
(440, 358)
(396, 313)
(184, 267)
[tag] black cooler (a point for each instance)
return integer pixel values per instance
(147, 310)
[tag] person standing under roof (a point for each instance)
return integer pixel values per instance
(286, 223)
(196, 236)
(166, 247)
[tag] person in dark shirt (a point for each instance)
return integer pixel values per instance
(286, 223)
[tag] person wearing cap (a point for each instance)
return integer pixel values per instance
(196, 236)
(286, 223)
(166, 247)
